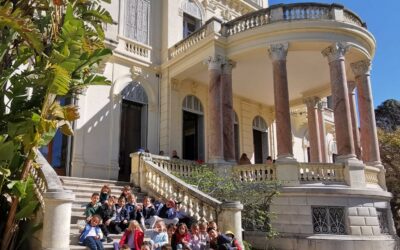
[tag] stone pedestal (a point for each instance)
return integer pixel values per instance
(57, 219)
(278, 53)
(288, 173)
(215, 131)
(227, 108)
(230, 218)
(313, 129)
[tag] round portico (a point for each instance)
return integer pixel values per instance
(275, 61)
(279, 58)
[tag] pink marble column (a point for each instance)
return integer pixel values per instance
(278, 53)
(322, 132)
(353, 110)
(227, 110)
(341, 105)
(313, 129)
(369, 138)
(215, 135)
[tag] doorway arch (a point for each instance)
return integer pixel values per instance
(192, 129)
(260, 139)
(133, 126)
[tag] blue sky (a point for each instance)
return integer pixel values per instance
(383, 22)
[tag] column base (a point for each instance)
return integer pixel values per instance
(376, 164)
(217, 161)
(354, 173)
(286, 158)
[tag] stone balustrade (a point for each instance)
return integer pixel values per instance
(372, 175)
(256, 172)
(151, 173)
(177, 167)
(321, 173)
(273, 14)
(212, 26)
(56, 204)
(134, 49)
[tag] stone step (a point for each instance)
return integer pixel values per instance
(92, 187)
(93, 180)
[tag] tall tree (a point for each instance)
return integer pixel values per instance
(387, 115)
(48, 49)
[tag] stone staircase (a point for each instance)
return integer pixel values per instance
(83, 189)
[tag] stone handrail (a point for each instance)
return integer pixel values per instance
(321, 172)
(158, 182)
(256, 172)
(56, 204)
(372, 175)
(273, 14)
(178, 167)
(134, 49)
(212, 26)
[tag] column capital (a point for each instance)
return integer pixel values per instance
(336, 51)
(278, 51)
(312, 102)
(351, 86)
(214, 62)
(362, 67)
(227, 66)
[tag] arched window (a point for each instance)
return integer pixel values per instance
(134, 92)
(192, 104)
(259, 124)
(260, 139)
(192, 129)
(192, 17)
(137, 20)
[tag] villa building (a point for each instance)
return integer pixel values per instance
(213, 79)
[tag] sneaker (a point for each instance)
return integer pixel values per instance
(109, 239)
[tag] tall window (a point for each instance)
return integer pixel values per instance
(137, 17)
(260, 139)
(189, 25)
(191, 17)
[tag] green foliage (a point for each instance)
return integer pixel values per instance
(387, 115)
(48, 50)
(390, 156)
(256, 197)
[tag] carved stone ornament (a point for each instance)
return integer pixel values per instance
(214, 62)
(227, 66)
(351, 86)
(278, 51)
(136, 71)
(336, 51)
(312, 102)
(361, 67)
(175, 84)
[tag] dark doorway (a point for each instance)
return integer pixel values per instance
(192, 139)
(236, 131)
(257, 141)
(130, 137)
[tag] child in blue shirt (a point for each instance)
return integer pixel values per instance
(91, 235)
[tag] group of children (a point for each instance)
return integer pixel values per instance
(107, 214)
